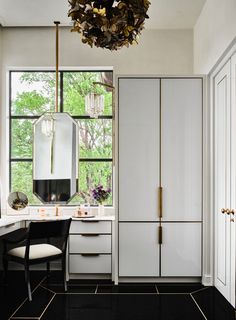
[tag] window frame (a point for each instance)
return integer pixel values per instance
(61, 109)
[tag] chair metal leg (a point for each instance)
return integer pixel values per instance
(27, 280)
(5, 270)
(48, 269)
(64, 273)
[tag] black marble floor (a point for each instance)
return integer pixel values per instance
(102, 300)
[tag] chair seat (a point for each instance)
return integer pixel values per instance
(37, 251)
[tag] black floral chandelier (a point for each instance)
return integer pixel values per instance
(109, 24)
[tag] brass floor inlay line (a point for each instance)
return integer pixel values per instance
(198, 307)
(24, 318)
(199, 290)
(47, 306)
(26, 300)
(42, 286)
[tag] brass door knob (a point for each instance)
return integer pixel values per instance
(232, 211)
(231, 220)
(228, 211)
(223, 210)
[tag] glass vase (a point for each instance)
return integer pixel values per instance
(100, 210)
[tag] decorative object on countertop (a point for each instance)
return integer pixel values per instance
(100, 195)
(18, 201)
(83, 212)
(109, 24)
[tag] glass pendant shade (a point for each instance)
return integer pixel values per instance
(47, 126)
(94, 104)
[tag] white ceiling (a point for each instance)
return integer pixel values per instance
(164, 14)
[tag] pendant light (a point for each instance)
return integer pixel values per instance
(109, 24)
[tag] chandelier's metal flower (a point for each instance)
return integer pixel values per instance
(109, 24)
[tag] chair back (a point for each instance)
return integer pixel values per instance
(49, 229)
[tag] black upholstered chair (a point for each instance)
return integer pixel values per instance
(29, 254)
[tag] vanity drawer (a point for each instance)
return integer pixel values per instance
(90, 263)
(9, 228)
(87, 243)
(90, 226)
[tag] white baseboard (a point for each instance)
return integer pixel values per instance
(90, 276)
(207, 280)
(160, 280)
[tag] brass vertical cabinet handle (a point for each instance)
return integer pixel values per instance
(160, 202)
(160, 235)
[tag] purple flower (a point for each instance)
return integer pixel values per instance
(99, 194)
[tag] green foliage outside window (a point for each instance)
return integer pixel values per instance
(32, 94)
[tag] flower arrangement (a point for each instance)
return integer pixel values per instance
(109, 24)
(100, 195)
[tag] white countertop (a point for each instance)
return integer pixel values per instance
(7, 220)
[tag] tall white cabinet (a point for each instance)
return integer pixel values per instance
(160, 176)
(224, 178)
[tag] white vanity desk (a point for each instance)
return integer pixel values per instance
(90, 245)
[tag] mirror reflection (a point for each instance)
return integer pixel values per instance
(17, 200)
(55, 158)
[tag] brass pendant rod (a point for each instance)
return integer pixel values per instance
(57, 64)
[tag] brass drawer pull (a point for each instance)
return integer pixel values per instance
(89, 234)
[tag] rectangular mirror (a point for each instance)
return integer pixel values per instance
(55, 158)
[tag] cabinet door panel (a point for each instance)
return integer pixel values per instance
(138, 149)
(181, 149)
(181, 250)
(138, 250)
(222, 180)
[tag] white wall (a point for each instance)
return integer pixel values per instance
(164, 51)
(213, 33)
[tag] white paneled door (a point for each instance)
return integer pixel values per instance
(139, 148)
(181, 149)
(233, 180)
(222, 176)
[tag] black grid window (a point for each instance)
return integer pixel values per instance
(31, 94)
